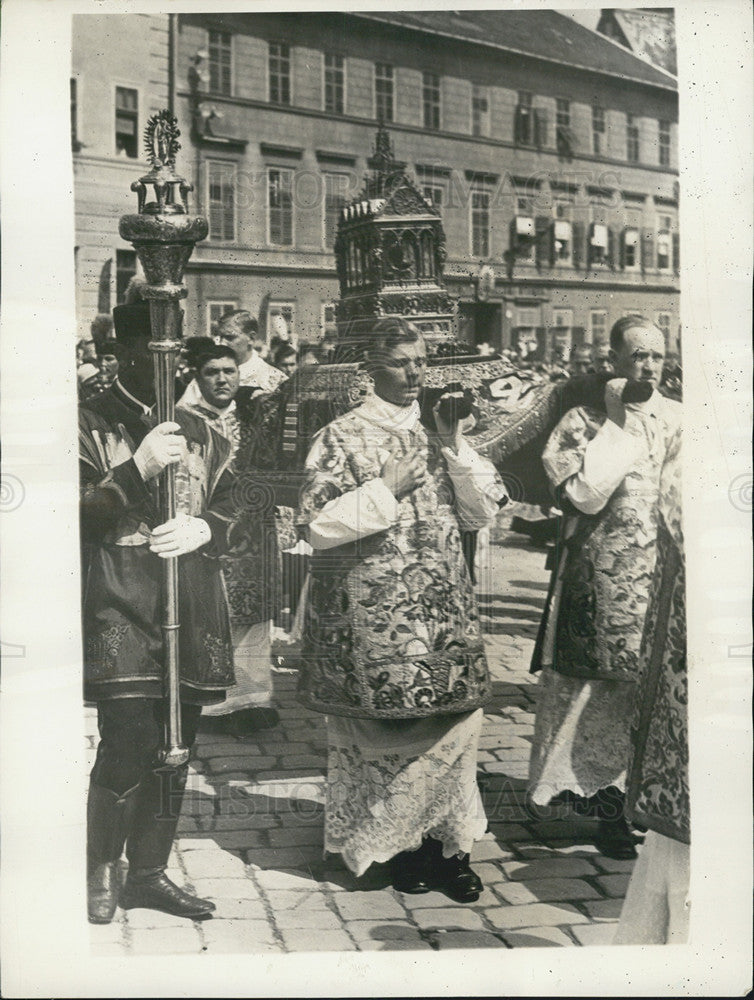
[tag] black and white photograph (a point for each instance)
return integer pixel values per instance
(386, 416)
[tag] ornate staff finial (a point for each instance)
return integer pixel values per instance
(161, 140)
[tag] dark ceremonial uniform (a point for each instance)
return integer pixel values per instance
(132, 799)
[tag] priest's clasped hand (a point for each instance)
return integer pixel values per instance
(161, 447)
(178, 536)
(403, 474)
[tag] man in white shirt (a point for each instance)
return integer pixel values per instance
(238, 329)
(606, 474)
(392, 649)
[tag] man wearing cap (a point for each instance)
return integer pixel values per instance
(132, 800)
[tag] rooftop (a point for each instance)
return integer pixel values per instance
(543, 34)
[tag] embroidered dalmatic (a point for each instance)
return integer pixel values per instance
(122, 598)
(392, 636)
(590, 636)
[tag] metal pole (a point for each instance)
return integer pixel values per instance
(164, 236)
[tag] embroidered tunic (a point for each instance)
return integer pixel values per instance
(590, 635)
(123, 580)
(392, 627)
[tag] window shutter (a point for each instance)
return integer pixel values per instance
(544, 244)
(647, 250)
(540, 127)
(677, 253)
(518, 125)
(577, 234)
(620, 236)
(541, 343)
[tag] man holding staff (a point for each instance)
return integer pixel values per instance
(133, 799)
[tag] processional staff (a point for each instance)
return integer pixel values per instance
(164, 235)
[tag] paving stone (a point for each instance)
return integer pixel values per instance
(308, 834)
(527, 871)
(308, 915)
(243, 936)
(467, 939)
(230, 749)
(503, 757)
(506, 833)
(241, 840)
(369, 905)
(318, 762)
(288, 775)
(241, 765)
(489, 872)
(313, 940)
(225, 888)
(114, 931)
(289, 899)
(568, 830)
(281, 879)
(613, 864)
(424, 900)
(167, 940)
(539, 851)
(594, 934)
(604, 909)
(282, 746)
(383, 930)
(286, 857)
(614, 885)
(143, 919)
(546, 890)
(538, 937)
(249, 821)
(411, 945)
(213, 864)
(449, 916)
(534, 915)
(230, 908)
(490, 850)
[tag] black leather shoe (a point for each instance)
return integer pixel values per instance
(614, 840)
(155, 891)
(455, 877)
(409, 872)
(103, 888)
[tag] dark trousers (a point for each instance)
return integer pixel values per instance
(133, 798)
(130, 732)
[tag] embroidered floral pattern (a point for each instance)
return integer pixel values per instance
(220, 655)
(392, 629)
(102, 649)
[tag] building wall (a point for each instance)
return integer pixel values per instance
(249, 271)
(129, 50)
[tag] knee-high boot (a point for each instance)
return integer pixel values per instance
(158, 806)
(107, 820)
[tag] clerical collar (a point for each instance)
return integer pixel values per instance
(380, 411)
(120, 390)
(203, 404)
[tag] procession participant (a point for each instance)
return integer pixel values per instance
(238, 329)
(250, 565)
(89, 379)
(581, 361)
(392, 646)
(605, 471)
(656, 910)
(107, 357)
(285, 358)
(602, 361)
(132, 799)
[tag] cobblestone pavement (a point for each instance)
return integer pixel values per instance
(250, 834)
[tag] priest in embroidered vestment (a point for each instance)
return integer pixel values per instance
(606, 473)
(393, 650)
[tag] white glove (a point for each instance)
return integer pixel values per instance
(178, 536)
(161, 447)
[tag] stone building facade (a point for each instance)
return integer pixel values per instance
(551, 152)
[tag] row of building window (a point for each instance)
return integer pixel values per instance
(561, 239)
(530, 123)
